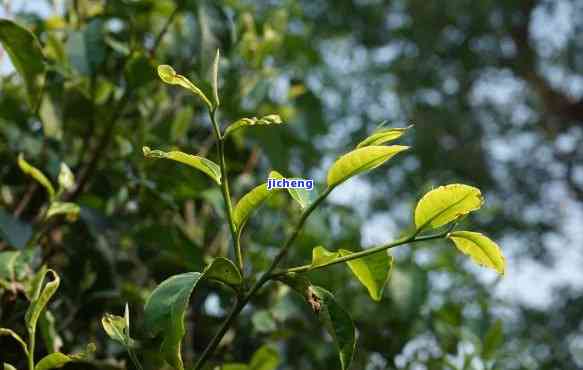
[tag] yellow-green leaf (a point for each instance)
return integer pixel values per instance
(202, 164)
(265, 358)
(251, 201)
(271, 119)
(57, 360)
(480, 248)
(40, 296)
(360, 160)
(215, 83)
(373, 271)
(7, 366)
(446, 204)
(380, 137)
(36, 174)
(59, 208)
(169, 75)
(224, 271)
(66, 177)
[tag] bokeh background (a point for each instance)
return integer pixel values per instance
(494, 90)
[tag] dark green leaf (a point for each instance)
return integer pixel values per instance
(164, 313)
(338, 324)
(15, 232)
(26, 55)
(224, 271)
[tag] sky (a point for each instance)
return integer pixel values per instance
(525, 281)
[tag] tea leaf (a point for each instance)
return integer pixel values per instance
(480, 248)
(252, 200)
(8, 332)
(446, 204)
(36, 174)
(202, 164)
(169, 75)
(338, 324)
(26, 55)
(373, 271)
(265, 358)
(66, 177)
(360, 160)
(215, 82)
(59, 208)
(224, 271)
(380, 137)
(164, 313)
(40, 296)
(271, 119)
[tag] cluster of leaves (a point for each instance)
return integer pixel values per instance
(166, 307)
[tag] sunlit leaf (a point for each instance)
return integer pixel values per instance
(251, 201)
(57, 360)
(380, 137)
(48, 330)
(304, 197)
(360, 160)
(271, 119)
(373, 271)
(39, 296)
(446, 204)
(224, 271)
(215, 81)
(164, 313)
(169, 75)
(26, 55)
(338, 324)
(36, 174)
(116, 328)
(66, 177)
(480, 248)
(7, 366)
(63, 208)
(202, 164)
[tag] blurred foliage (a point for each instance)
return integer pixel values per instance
(478, 79)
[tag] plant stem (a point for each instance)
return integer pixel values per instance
(31, 344)
(267, 275)
(405, 240)
(225, 188)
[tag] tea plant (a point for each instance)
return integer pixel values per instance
(435, 217)
(35, 289)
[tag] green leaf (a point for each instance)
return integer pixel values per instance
(40, 296)
(169, 76)
(66, 177)
(52, 341)
(8, 332)
(15, 232)
(63, 208)
(338, 324)
(224, 271)
(202, 164)
(493, 340)
(480, 248)
(57, 360)
(251, 201)
(52, 127)
(271, 119)
(263, 321)
(215, 82)
(26, 55)
(446, 204)
(164, 313)
(304, 197)
(8, 367)
(361, 160)
(373, 271)
(115, 327)
(86, 49)
(265, 358)
(36, 174)
(380, 137)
